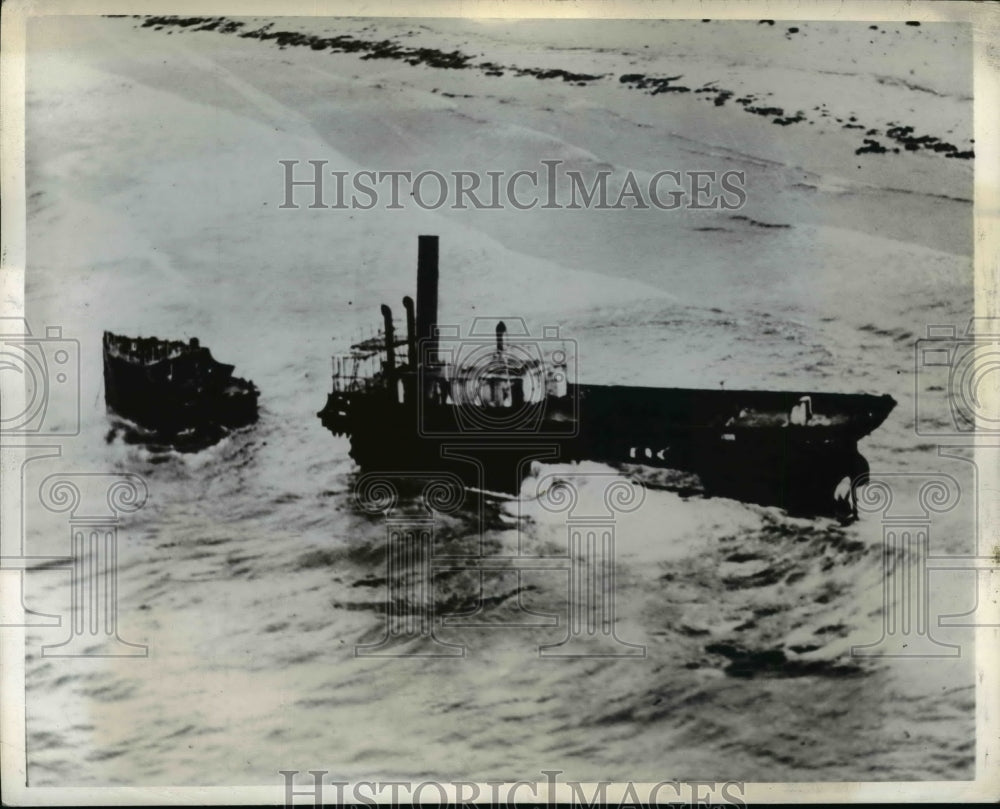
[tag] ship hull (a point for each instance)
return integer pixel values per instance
(185, 401)
(741, 444)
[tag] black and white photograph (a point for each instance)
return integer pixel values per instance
(469, 402)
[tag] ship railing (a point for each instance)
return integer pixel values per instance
(363, 367)
(146, 349)
(361, 371)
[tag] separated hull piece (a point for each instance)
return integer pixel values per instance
(175, 394)
(486, 420)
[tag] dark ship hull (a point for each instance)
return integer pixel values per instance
(796, 467)
(795, 449)
(174, 394)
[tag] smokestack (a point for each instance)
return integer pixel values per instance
(427, 292)
(501, 330)
(411, 333)
(390, 349)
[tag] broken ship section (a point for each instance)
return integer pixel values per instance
(174, 394)
(412, 404)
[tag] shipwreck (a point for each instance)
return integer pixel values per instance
(407, 404)
(174, 393)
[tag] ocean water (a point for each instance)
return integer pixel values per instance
(252, 574)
